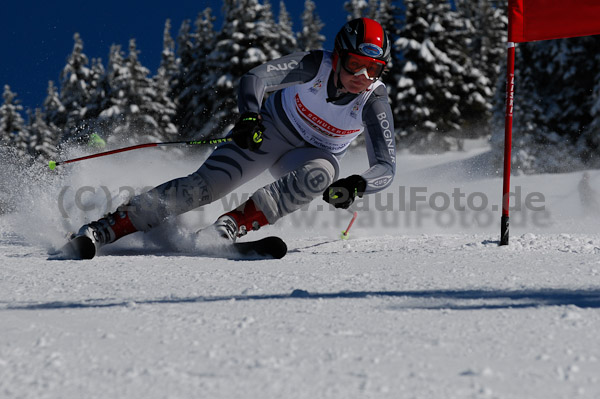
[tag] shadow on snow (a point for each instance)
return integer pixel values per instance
(427, 299)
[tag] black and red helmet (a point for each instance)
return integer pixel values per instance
(364, 37)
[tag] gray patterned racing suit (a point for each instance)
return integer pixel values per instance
(302, 168)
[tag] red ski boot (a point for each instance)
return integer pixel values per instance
(92, 236)
(238, 222)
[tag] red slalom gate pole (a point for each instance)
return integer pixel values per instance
(508, 122)
(53, 164)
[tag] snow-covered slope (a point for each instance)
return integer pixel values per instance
(418, 303)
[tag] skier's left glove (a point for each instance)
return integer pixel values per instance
(248, 131)
(341, 193)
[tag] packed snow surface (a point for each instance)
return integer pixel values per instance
(420, 302)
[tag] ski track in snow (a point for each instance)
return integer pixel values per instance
(415, 310)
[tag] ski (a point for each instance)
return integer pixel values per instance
(78, 248)
(82, 247)
(268, 247)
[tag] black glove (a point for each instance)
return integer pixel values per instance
(342, 193)
(248, 131)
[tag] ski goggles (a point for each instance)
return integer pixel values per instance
(361, 65)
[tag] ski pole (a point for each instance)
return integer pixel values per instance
(346, 232)
(53, 164)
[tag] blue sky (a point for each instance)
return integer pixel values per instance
(36, 37)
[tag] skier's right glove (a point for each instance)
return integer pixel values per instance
(248, 131)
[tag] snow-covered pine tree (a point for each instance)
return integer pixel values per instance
(133, 110)
(90, 123)
(356, 8)
(487, 46)
(246, 40)
(588, 144)
(13, 131)
(75, 91)
(100, 104)
(168, 70)
(166, 74)
(185, 43)
(192, 99)
(373, 9)
(115, 102)
(287, 41)
(472, 87)
(149, 110)
(391, 19)
(99, 90)
(310, 37)
(14, 138)
(52, 106)
(571, 74)
(185, 57)
(44, 137)
(273, 42)
(553, 110)
(438, 90)
(426, 109)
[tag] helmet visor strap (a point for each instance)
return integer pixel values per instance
(360, 65)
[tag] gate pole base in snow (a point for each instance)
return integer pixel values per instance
(504, 230)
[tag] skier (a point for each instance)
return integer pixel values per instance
(322, 101)
(588, 196)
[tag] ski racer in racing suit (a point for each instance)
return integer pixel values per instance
(320, 102)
